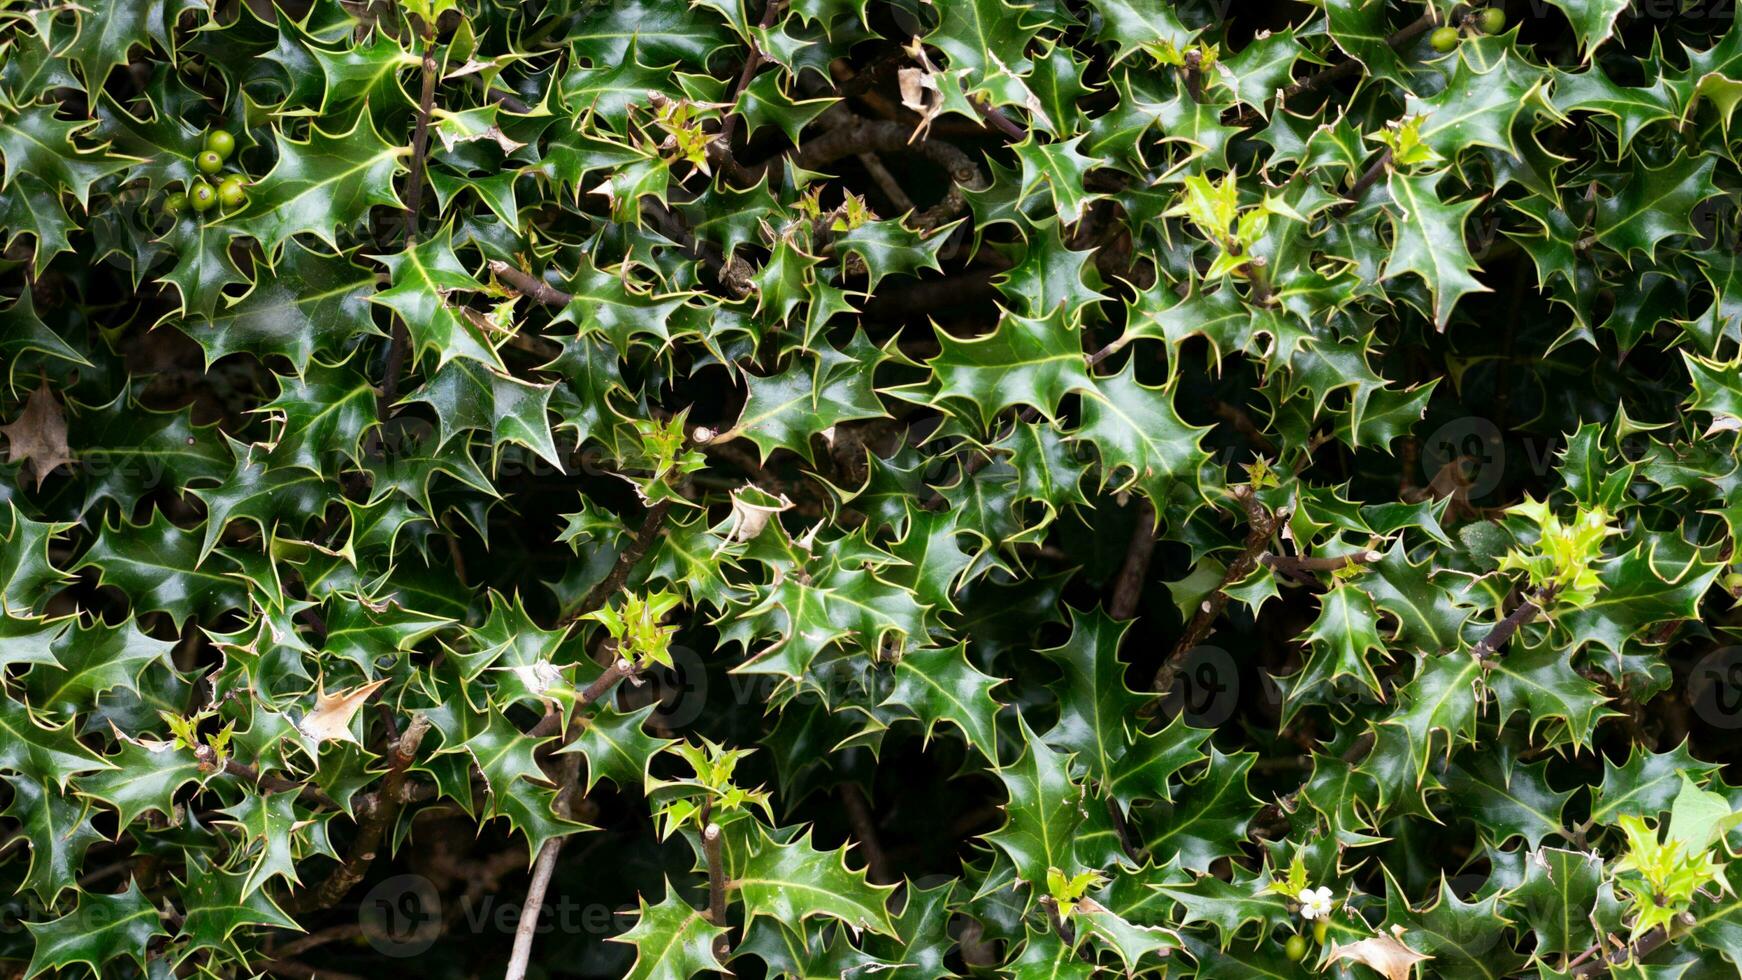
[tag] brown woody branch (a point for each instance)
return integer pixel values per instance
(752, 61)
(1600, 963)
(528, 285)
(413, 204)
(998, 120)
(711, 843)
(1497, 637)
(1365, 182)
(1261, 523)
(865, 828)
(856, 134)
(1128, 586)
(544, 868)
(1301, 566)
(620, 668)
(378, 812)
(626, 562)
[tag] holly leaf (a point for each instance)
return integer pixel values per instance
(321, 185)
(1043, 813)
(938, 684)
(424, 275)
(792, 882)
(672, 940)
(1428, 240)
(99, 929)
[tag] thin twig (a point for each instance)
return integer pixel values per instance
(1117, 816)
(1604, 963)
(313, 940)
(542, 871)
(420, 143)
(1300, 566)
(544, 868)
(1366, 181)
(865, 828)
(998, 120)
(752, 61)
(1242, 422)
(266, 781)
(1342, 69)
(856, 134)
(601, 686)
(1528, 610)
(529, 286)
(1063, 929)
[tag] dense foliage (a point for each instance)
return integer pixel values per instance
(876, 487)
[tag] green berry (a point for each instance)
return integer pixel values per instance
(1492, 20)
(220, 141)
(202, 197)
(1320, 928)
(1733, 581)
(209, 162)
(231, 193)
(1444, 39)
(1296, 948)
(175, 202)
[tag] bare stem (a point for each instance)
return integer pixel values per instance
(379, 811)
(865, 828)
(1601, 963)
(1260, 525)
(1366, 181)
(529, 285)
(1343, 69)
(626, 562)
(413, 204)
(1128, 587)
(266, 781)
(544, 868)
(752, 61)
(716, 885)
(1497, 637)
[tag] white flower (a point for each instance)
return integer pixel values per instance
(1315, 903)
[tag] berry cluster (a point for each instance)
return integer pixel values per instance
(1488, 20)
(1296, 947)
(230, 192)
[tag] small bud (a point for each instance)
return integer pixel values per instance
(711, 832)
(702, 435)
